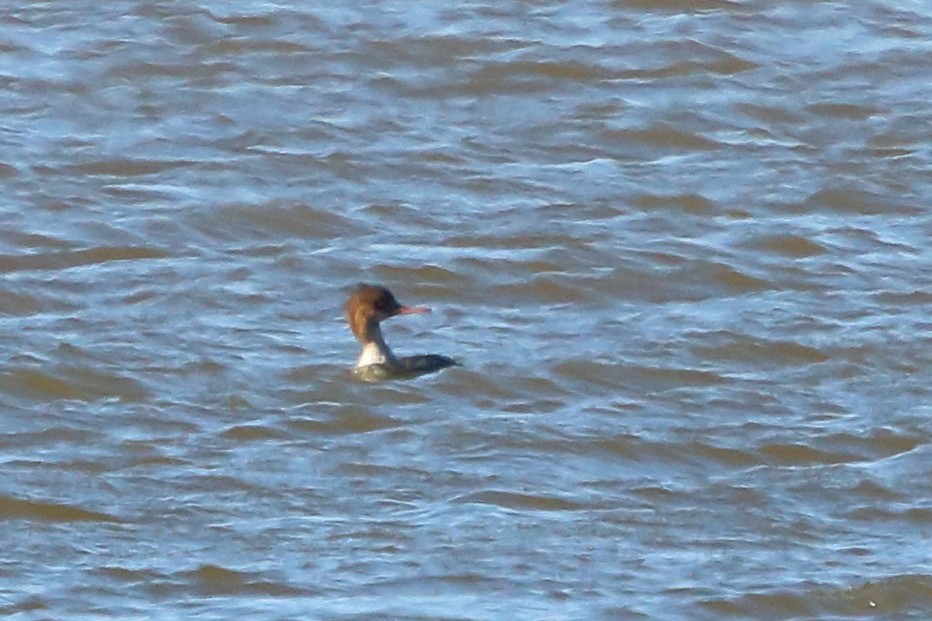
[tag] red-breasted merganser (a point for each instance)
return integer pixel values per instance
(367, 306)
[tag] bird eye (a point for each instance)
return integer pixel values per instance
(387, 305)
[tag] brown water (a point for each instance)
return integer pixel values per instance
(682, 250)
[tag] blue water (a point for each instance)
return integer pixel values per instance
(681, 250)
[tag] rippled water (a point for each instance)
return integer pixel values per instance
(681, 249)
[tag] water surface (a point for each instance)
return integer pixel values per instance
(681, 249)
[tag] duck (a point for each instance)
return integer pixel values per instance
(366, 308)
